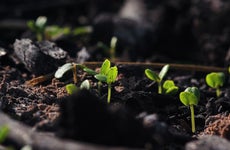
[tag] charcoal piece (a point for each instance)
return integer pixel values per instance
(39, 58)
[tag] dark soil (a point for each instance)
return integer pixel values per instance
(37, 104)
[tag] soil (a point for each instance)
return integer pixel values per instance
(192, 36)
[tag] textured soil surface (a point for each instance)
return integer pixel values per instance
(39, 113)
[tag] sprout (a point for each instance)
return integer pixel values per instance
(215, 80)
(169, 87)
(108, 75)
(72, 88)
(190, 97)
(157, 78)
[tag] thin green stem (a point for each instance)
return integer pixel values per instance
(192, 118)
(109, 93)
(159, 88)
(218, 92)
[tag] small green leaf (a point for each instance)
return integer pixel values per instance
(169, 87)
(163, 71)
(71, 88)
(112, 75)
(105, 67)
(63, 69)
(215, 79)
(4, 131)
(85, 85)
(31, 25)
(101, 77)
(152, 75)
(90, 71)
(190, 96)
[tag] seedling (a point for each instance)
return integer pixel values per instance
(215, 80)
(4, 131)
(157, 77)
(108, 75)
(72, 88)
(169, 87)
(110, 50)
(190, 97)
(38, 27)
(43, 31)
(72, 66)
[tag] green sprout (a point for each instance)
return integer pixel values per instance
(110, 50)
(52, 32)
(72, 66)
(215, 80)
(169, 87)
(157, 77)
(108, 75)
(72, 88)
(190, 97)
(4, 131)
(38, 26)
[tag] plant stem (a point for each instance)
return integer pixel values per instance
(218, 92)
(74, 73)
(159, 88)
(192, 118)
(109, 93)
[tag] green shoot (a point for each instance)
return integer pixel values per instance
(109, 50)
(38, 26)
(215, 80)
(112, 50)
(4, 131)
(72, 88)
(157, 77)
(108, 75)
(72, 66)
(190, 97)
(169, 87)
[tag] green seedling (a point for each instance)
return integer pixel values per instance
(190, 97)
(72, 88)
(38, 26)
(54, 32)
(72, 66)
(4, 131)
(215, 80)
(42, 31)
(157, 77)
(169, 87)
(109, 50)
(108, 75)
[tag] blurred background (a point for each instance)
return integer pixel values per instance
(178, 31)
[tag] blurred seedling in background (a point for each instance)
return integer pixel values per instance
(215, 80)
(157, 77)
(54, 32)
(107, 75)
(190, 97)
(110, 51)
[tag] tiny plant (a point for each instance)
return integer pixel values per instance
(190, 97)
(38, 27)
(108, 75)
(157, 77)
(42, 31)
(4, 131)
(215, 80)
(109, 50)
(72, 88)
(169, 87)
